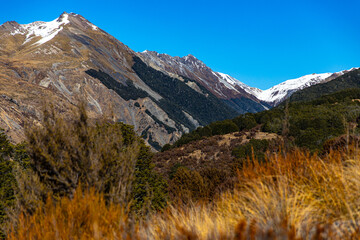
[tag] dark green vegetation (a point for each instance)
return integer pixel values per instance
(245, 105)
(168, 129)
(255, 149)
(346, 81)
(179, 97)
(12, 158)
(61, 156)
(149, 190)
(126, 91)
(240, 123)
(7, 179)
(304, 124)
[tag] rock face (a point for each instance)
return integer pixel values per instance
(69, 60)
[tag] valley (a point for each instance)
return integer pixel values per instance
(98, 141)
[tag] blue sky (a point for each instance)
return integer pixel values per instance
(261, 43)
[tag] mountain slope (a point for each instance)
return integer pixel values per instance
(69, 60)
(236, 94)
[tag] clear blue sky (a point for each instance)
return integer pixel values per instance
(261, 43)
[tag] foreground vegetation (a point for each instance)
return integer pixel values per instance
(87, 179)
(61, 157)
(290, 196)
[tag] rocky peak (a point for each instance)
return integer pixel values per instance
(9, 26)
(193, 61)
(79, 21)
(62, 16)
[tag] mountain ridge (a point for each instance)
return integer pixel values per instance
(52, 60)
(232, 87)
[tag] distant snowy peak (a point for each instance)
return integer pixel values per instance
(279, 92)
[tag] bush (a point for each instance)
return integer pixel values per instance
(245, 122)
(65, 153)
(107, 156)
(254, 149)
(223, 127)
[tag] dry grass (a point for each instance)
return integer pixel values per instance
(86, 216)
(291, 196)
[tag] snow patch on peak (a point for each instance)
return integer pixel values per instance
(231, 83)
(228, 78)
(45, 30)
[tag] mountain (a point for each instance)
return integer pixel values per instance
(236, 94)
(69, 60)
(280, 92)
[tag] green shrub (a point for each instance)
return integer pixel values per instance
(12, 157)
(254, 150)
(245, 121)
(223, 127)
(149, 189)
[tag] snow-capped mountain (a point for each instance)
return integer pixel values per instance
(278, 93)
(69, 60)
(44, 30)
(230, 89)
(236, 94)
(282, 91)
(193, 68)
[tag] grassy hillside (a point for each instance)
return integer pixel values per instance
(307, 124)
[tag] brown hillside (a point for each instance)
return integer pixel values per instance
(212, 152)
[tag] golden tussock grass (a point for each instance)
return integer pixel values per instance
(85, 216)
(291, 196)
